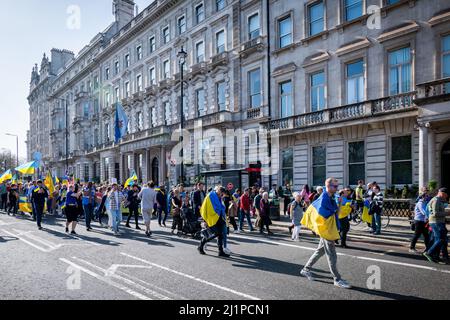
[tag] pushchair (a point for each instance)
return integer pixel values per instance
(191, 224)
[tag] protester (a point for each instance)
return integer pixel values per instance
(305, 193)
(437, 222)
(264, 212)
(133, 206)
(287, 195)
(71, 209)
(177, 222)
(245, 211)
(88, 204)
(161, 205)
(115, 198)
(359, 195)
(323, 212)
(345, 209)
(198, 198)
(421, 221)
(39, 196)
(12, 200)
(148, 200)
(296, 213)
(376, 210)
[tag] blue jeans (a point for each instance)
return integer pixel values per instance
(115, 219)
(88, 213)
(160, 213)
(440, 240)
(241, 220)
(376, 223)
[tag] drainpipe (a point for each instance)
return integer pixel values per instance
(269, 85)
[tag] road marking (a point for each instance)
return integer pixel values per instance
(38, 239)
(130, 282)
(113, 269)
(347, 255)
(192, 277)
(106, 280)
(27, 242)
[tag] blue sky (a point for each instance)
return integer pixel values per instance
(28, 29)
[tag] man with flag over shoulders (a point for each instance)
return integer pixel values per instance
(321, 217)
(39, 195)
(213, 212)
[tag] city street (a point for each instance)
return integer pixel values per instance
(50, 264)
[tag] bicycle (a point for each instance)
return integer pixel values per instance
(356, 218)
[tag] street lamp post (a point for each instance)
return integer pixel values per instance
(182, 56)
(17, 146)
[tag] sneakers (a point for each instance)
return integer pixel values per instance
(342, 284)
(413, 251)
(67, 230)
(74, 233)
(237, 231)
(307, 274)
(429, 258)
(138, 228)
(227, 251)
(201, 250)
(223, 254)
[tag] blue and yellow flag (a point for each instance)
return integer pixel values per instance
(131, 180)
(345, 208)
(24, 205)
(27, 168)
(48, 182)
(321, 217)
(6, 176)
(212, 209)
(365, 215)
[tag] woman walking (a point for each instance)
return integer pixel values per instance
(264, 212)
(305, 193)
(296, 211)
(72, 209)
(421, 221)
(176, 212)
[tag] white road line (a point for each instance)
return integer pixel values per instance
(106, 280)
(192, 277)
(127, 281)
(348, 255)
(39, 239)
(26, 241)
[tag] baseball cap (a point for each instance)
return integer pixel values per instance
(444, 190)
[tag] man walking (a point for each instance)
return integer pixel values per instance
(198, 197)
(88, 201)
(321, 217)
(40, 194)
(148, 200)
(133, 207)
(245, 210)
(161, 206)
(115, 198)
(437, 223)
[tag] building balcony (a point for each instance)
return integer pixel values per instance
(256, 113)
(164, 84)
(78, 120)
(126, 101)
(55, 111)
(138, 96)
(148, 133)
(433, 92)
(219, 60)
(353, 112)
(151, 90)
(199, 68)
(251, 46)
(81, 96)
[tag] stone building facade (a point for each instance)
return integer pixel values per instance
(349, 92)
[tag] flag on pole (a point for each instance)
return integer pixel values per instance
(6, 176)
(121, 123)
(27, 168)
(131, 180)
(48, 182)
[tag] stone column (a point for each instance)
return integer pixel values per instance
(91, 171)
(144, 167)
(102, 170)
(112, 168)
(121, 168)
(423, 155)
(431, 155)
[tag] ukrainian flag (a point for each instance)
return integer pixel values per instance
(321, 218)
(24, 205)
(345, 208)
(212, 209)
(366, 216)
(132, 180)
(27, 168)
(48, 182)
(6, 176)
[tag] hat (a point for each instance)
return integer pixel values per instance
(443, 190)
(39, 181)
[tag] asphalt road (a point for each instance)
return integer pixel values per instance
(49, 264)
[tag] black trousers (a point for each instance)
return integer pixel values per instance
(420, 230)
(265, 222)
(345, 228)
(133, 211)
(4, 199)
(39, 211)
(177, 222)
(13, 206)
(286, 203)
(218, 233)
(233, 223)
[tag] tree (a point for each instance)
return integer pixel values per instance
(6, 160)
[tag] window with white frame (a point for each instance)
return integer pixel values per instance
(127, 89)
(355, 81)
(116, 94)
(220, 41)
(220, 88)
(139, 83)
(167, 113)
(200, 101)
(127, 60)
(152, 76)
(352, 9)
(116, 67)
(139, 53)
(287, 173)
(317, 91)
(166, 69)
(107, 73)
(400, 71)
(107, 132)
(316, 18)
(166, 35)
(401, 160)
(152, 44)
(107, 98)
(181, 24)
(356, 162)
(446, 61)
(254, 79)
(285, 31)
(200, 52)
(253, 26)
(319, 165)
(220, 4)
(285, 90)
(199, 13)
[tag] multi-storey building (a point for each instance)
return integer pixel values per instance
(351, 93)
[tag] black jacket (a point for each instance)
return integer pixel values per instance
(39, 198)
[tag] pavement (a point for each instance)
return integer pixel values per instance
(50, 264)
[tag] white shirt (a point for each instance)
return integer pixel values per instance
(148, 197)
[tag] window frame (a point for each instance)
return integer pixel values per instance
(139, 53)
(196, 12)
(150, 81)
(250, 94)
(224, 2)
(411, 160)
(224, 41)
(182, 17)
(280, 84)
(218, 84)
(165, 39)
(249, 32)
(309, 22)
(127, 89)
(197, 100)
(139, 79)
(127, 60)
(349, 182)
(389, 68)
(344, 11)
(152, 44)
(279, 35)
(283, 168)
(347, 78)
(313, 165)
(197, 60)
(164, 74)
(317, 87)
